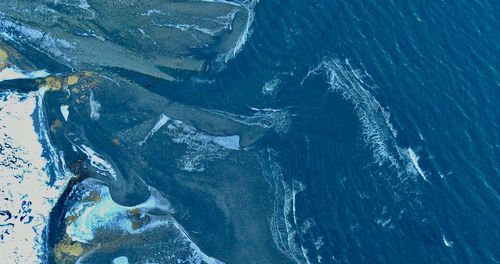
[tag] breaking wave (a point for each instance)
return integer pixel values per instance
(270, 88)
(249, 6)
(356, 87)
(284, 225)
(278, 120)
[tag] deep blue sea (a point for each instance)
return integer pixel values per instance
(393, 151)
(387, 147)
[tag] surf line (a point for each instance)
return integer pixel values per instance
(356, 87)
(242, 39)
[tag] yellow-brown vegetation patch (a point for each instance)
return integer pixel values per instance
(134, 212)
(68, 251)
(92, 197)
(71, 219)
(4, 59)
(72, 80)
(53, 83)
(136, 225)
(139, 223)
(116, 142)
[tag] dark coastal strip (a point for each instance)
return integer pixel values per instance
(56, 216)
(22, 86)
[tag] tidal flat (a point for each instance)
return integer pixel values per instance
(146, 178)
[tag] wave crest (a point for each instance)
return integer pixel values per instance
(356, 87)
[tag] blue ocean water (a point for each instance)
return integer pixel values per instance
(388, 137)
(393, 152)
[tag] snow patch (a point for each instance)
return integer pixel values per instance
(65, 112)
(94, 107)
(14, 73)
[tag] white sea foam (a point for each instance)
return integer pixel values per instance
(14, 73)
(194, 27)
(93, 35)
(152, 12)
(98, 161)
(225, 22)
(414, 159)
(378, 131)
(27, 191)
(65, 111)
(198, 256)
(81, 4)
(56, 165)
(245, 34)
(199, 80)
(188, 27)
(420, 135)
(223, 1)
(284, 223)
(145, 35)
(384, 222)
(447, 242)
(270, 88)
(277, 119)
(201, 146)
(94, 107)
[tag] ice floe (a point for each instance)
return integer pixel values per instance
(65, 112)
(229, 142)
(42, 41)
(120, 260)
(94, 107)
(161, 122)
